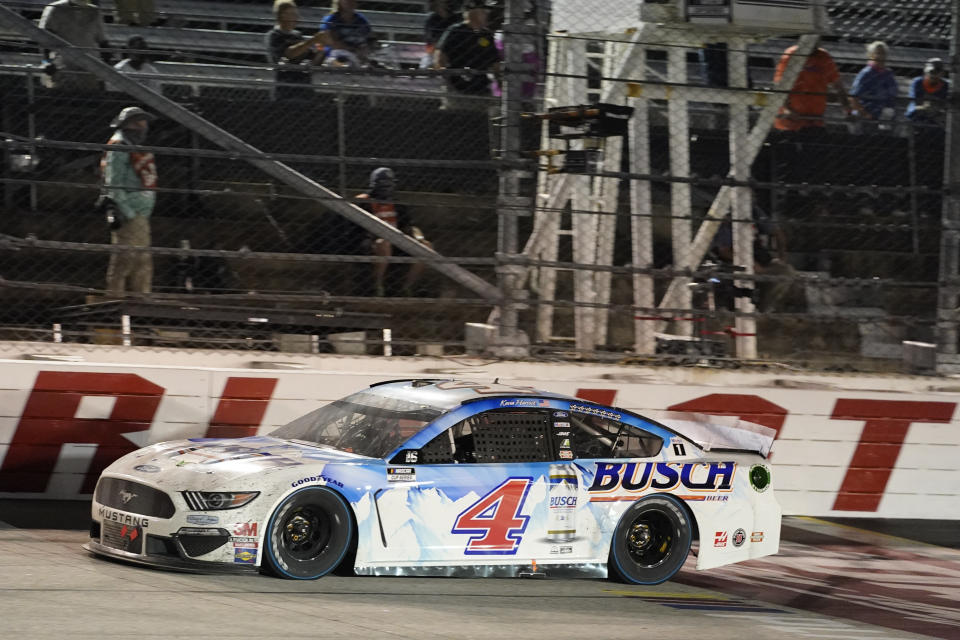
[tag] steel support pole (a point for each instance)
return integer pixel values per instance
(742, 200)
(949, 290)
(331, 200)
(681, 209)
(511, 200)
(641, 220)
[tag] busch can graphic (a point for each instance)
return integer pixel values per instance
(561, 514)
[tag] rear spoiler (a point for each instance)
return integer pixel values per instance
(720, 432)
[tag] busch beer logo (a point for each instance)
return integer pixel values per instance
(246, 530)
(663, 476)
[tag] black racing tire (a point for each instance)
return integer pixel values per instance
(308, 535)
(651, 541)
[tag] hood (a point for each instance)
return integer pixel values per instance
(229, 464)
(720, 432)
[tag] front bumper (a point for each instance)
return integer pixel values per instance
(168, 562)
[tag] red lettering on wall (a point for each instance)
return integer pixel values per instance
(49, 421)
(885, 427)
(746, 407)
(600, 396)
(241, 407)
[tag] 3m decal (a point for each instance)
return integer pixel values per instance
(246, 530)
(495, 521)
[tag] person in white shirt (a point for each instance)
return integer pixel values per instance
(138, 62)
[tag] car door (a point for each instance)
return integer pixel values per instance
(477, 492)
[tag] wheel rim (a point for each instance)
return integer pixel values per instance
(306, 533)
(650, 539)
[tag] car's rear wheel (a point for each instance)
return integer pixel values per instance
(308, 535)
(651, 542)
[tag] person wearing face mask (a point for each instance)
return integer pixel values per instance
(928, 95)
(137, 62)
(379, 201)
(291, 51)
(469, 45)
(874, 89)
(79, 23)
(128, 196)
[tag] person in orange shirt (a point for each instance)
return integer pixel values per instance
(807, 101)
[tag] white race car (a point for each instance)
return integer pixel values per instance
(422, 477)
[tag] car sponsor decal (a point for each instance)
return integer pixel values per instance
(245, 529)
(199, 518)
(566, 455)
(245, 555)
(635, 477)
(561, 425)
(720, 539)
(565, 548)
(756, 536)
(147, 468)
(401, 474)
(320, 478)
(739, 537)
(561, 414)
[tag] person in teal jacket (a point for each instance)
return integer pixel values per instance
(129, 190)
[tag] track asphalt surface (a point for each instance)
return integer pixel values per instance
(851, 579)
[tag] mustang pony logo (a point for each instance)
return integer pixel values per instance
(127, 496)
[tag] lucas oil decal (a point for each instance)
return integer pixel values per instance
(634, 477)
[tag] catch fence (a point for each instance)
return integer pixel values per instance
(628, 195)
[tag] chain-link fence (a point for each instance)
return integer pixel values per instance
(640, 182)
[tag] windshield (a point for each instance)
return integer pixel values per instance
(368, 424)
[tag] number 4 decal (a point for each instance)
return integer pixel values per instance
(495, 521)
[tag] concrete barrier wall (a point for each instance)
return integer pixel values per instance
(847, 446)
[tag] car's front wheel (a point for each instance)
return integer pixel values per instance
(308, 535)
(651, 542)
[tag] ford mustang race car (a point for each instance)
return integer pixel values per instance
(424, 477)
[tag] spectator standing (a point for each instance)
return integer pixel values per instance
(807, 101)
(441, 18)
(875, 87)
(137, 62)
(136, 12)
(129, 192)
(470, 45)
(78, 22)
(928, 94)
(346, 33)
(379, 201)
(290, 51)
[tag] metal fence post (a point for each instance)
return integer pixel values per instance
(947, 358)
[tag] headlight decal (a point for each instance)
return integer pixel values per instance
(217, 500)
